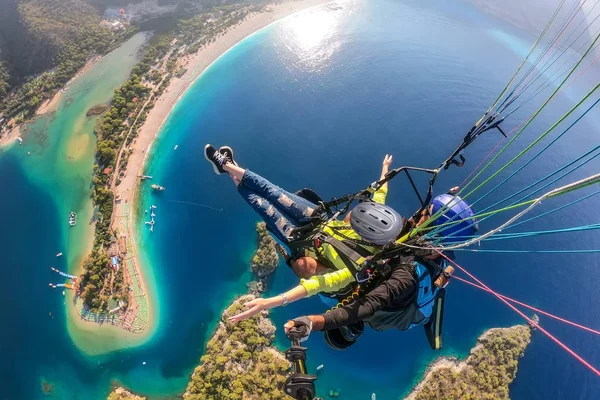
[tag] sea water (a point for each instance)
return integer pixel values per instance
(316, 101)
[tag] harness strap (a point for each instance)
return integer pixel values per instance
(433, 327)
(349, 257)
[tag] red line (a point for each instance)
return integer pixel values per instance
(566, 321)
(561, 344)
(529, 76)
(526, 119)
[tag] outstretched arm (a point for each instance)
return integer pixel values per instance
(329, 282)
(257, 305)
(400, 286)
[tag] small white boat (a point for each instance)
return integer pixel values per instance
(63, 292)
(59, 254)
(176, 146)
(320, 367)
(144, 363)
(373, 397)
(19, 139)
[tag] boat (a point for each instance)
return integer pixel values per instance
(320, 367)
(373, 397)
(176, 146)
(63, 292)
(157, 187)
(59, 254)
(72, 218)
(19, 139)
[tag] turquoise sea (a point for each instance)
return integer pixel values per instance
(317, 100)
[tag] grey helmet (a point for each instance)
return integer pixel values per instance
(376, 223)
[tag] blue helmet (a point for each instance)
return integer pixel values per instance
(456, 209)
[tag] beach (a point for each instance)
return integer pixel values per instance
(195, 65)
(50, 104)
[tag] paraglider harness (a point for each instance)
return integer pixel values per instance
(370, 269)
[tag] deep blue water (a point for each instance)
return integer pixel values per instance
(317, 101)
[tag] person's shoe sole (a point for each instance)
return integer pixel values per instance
(215, 168)
(224, 149)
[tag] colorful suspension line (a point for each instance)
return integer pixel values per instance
(575, 251)
(566, 321)
(566, 46)
(482, 216)
(520, 154)
(536, 217)
(546, 85)
(528, 76)
(526, 101)
(518, 235)
(554, 210)
(531, 50)
(531, 322)
(522, 167)
(591, 180)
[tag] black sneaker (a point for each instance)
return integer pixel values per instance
(217, 159)
(228, 152)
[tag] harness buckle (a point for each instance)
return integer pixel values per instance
(317, 242)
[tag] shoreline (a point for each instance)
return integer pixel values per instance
(196, 65)
(452, 363)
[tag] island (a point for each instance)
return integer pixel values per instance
(239, 362)
(265, 260)
(485, 374)
(121, 394)
(98, 109)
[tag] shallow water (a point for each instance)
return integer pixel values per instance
(317, 100)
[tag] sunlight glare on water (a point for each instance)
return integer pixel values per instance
(310, 37)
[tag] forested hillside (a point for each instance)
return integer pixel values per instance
(56, 36)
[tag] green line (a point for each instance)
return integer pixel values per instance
(525, 60)
(522, 204)
(536, 141)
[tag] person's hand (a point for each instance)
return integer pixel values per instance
(387, 160)
(253, 307)
(298, 328)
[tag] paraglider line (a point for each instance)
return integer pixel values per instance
(529, 307)
(196, 204)
(531, 322)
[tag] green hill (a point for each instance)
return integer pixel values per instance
(43, 43)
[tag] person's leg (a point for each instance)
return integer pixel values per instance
(276, 222)
(294, 207)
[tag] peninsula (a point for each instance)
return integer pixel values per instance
(485, 374)
(125, 133)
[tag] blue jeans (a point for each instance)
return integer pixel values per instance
(282, 211)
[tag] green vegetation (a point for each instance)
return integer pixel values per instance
(45, 43)
(122, 394)
(100, 283)
(113, 132)
(119, 126)
(487, 372)
(96, 110)
(239, 362)
(265, 260)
